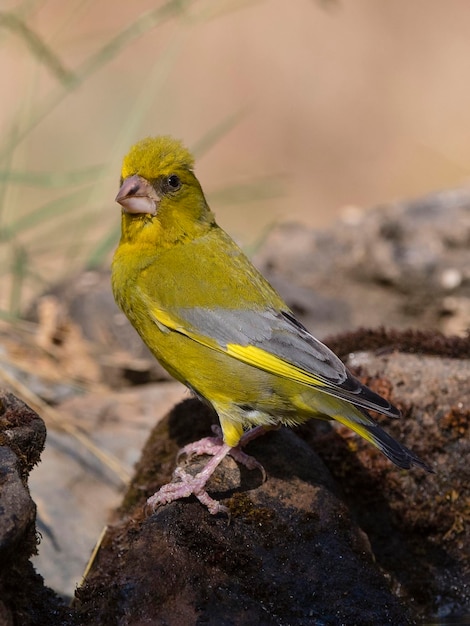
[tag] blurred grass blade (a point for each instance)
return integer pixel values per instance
(52, 180)
(104, 247)
(7, 161)
(40, 50)
(52, 209)
(252, 248)
(18, 272)
(205, 143)
(145, 22)
(221, 9)
(141, 25)
(251, 191)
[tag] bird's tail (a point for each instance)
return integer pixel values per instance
(372, 432)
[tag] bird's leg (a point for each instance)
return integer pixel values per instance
(211, 445)
(206, 445)
(242, 457)
(194, 485)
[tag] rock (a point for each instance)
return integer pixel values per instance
(295, 547)
(23, 597)
(396, 265)
(72, 485)
(417, 524)
(291, 553)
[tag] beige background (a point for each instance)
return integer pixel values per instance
(341, 103)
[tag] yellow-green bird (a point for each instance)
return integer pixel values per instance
(218, 326)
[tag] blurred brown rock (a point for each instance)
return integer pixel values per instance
(403, 265)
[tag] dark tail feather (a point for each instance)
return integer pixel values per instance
(398, 454)
(361, 422)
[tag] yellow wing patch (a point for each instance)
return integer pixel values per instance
(163, 318)
(251, 355)
(258, 357)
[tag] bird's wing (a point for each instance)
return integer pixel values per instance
(273, 341)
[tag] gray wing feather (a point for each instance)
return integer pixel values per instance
(271, 331)
(279, 333)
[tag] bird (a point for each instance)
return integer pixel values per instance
(218, 326)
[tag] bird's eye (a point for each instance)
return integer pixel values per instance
(173, 182)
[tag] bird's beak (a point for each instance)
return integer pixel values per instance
(138, 196)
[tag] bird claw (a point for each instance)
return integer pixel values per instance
(188, 485)
(248, 461)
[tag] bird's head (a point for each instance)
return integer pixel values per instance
(158, 187)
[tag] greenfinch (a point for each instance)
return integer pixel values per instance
(218, 326)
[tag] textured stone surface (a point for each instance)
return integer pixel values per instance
(291, 553)
(23, 597)
(415, 522)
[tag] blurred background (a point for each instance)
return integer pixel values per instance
(295, 110)
(300, 111)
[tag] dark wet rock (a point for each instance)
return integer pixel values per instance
(23, 597)
(417, 523)
(297, 547)
(291, 554)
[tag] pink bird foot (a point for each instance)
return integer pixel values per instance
(195, 485)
